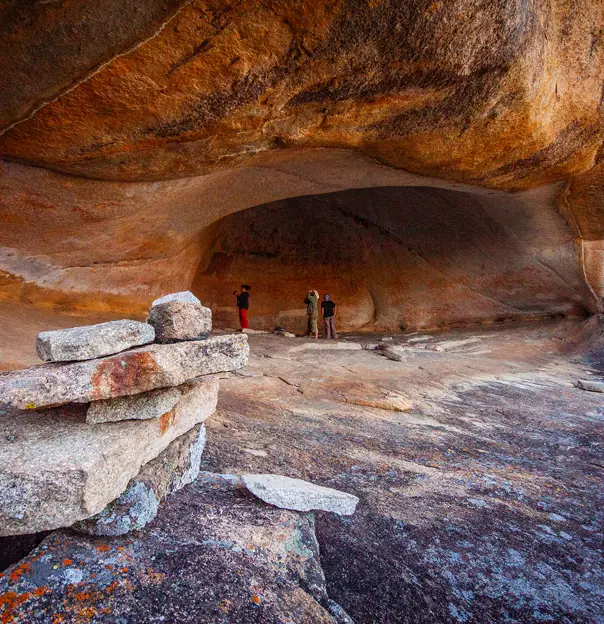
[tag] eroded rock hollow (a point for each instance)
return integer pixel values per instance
(429, 163)
(435, 166)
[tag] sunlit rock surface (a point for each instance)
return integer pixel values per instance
(158, 121)
(427, 163)
(502, 93)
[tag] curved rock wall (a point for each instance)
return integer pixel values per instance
(395, 258)
(137, 127)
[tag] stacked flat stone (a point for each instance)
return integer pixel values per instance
(113, 421)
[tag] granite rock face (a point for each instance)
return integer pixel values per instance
(145, 100)
(299, 495)
(398, 353)
(180, 320)
(92, 341)
(186, 296)
(170, 471)
(248, 563)
(152, 404)
(55, 469)
(132, 372)
(168, 110)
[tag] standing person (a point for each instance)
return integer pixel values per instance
(243, 303)
(312, 310)
(328, 308)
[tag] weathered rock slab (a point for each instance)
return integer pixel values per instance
(170, 471)
(56, 470)
(452, 345)
(186, 296)
(371, 346)
(92, 341)
(152, 404)
(299, 495)
(591, 385)
(399, 353)
(139, 370)
(422, 338)
(325, 345)
(180, 320)
(212, 555)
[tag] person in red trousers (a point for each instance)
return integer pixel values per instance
(243, 303)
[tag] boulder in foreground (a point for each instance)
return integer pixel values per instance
(139, 370)
(55, 469)
(92, 341)
(186, 296)
(299, 495)
(180, 320)
(211, 555)
(170, 471)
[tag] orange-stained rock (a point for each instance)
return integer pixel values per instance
(159, 120)
(132, 372)
(395, 258)
(502, 93)
(420, 254)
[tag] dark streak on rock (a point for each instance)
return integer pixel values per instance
(572, 138)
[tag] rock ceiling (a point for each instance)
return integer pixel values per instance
(128, 127)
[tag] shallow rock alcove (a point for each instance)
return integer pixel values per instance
(395, 258)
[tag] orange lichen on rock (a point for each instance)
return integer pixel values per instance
(10, 602)
(166, 420)
(18, 572)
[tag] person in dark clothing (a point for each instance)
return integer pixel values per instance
(243, 303)
(328, 308)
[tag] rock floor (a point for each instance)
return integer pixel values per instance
(482, 503)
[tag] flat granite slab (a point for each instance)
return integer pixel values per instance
(92, 341)
(175, 467)
(299, 495)
(150, 404)
(131, 372)
(591, 385)
(55, 469)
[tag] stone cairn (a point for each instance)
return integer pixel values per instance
(113, 422)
